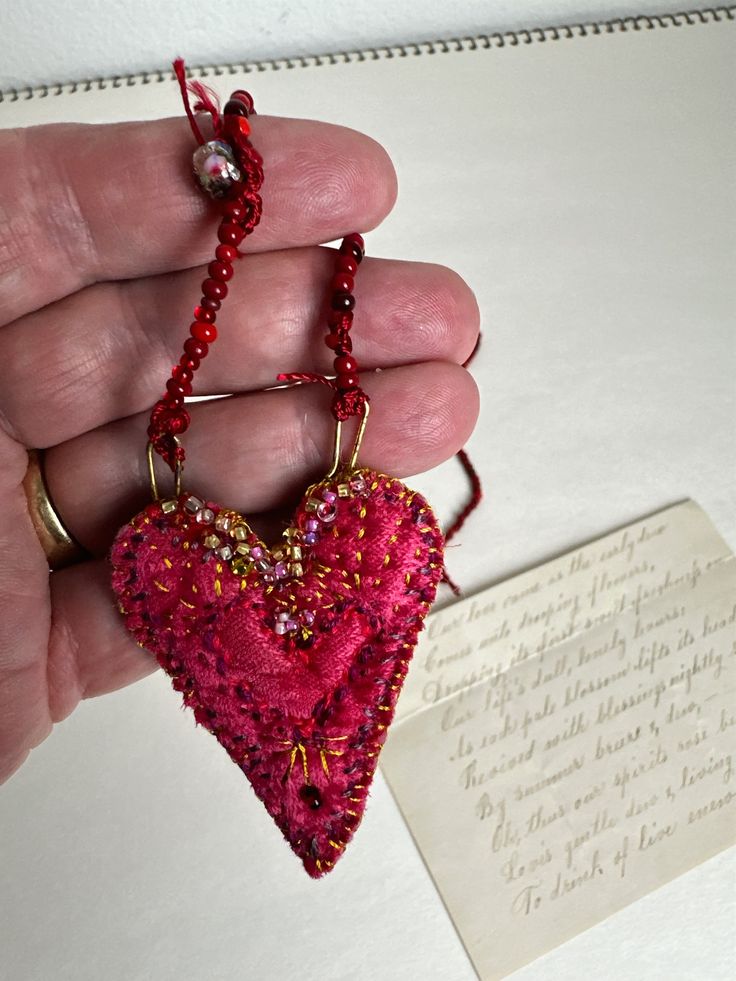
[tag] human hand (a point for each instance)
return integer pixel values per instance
(102, 240)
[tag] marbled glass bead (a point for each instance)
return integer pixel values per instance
(216, 168)
(206, 516)
(326, 512)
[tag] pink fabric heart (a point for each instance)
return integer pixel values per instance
(292, 657)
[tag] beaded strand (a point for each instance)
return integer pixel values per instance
(232, 170)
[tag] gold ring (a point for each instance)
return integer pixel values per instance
(60, 547)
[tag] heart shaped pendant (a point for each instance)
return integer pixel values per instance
(292, 656)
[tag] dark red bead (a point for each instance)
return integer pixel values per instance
(345, 345)
(221, 271)
(346, 264)
(203, 332)
(230, 234)
(189, 361)
(202, 313)
(195, 348)
(210, 303)
(347, 381)
(234, 107)
(346, 365)
(174, 399)
(332, 340)
(245, 97)
(349, 247)
(178, 388)
(342, 302)
(226, 253)
(343, 283)
(182, 373)
(215, 289)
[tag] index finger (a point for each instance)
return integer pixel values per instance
(83, 203)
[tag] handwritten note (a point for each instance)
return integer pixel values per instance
(565, 741)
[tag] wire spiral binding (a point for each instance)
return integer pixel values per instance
(535, 35)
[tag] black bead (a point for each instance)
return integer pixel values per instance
(311, 796)
(343, 302)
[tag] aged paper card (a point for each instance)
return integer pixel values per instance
(565, 739)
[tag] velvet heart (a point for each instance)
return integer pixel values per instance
(292, 656)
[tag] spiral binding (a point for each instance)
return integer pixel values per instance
(535, 35)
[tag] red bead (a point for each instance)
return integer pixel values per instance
(235, 210)
(178, 422)
(226, 253)
(182, 373)
(346, 365)
(345, 345)
(339, 319)
(203, 332)
(189, 361)
(332, 340)
(346, 264)
(343, 283)
(239, 123)
(221, 271)
(214, 289)
(209, 303)
(202, 313)
(356, 239)
(195, 348)
(343, 302)
(174, 399)
(230, 233)
(347, 381)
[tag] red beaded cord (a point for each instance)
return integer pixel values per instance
(349, 398)
(241, 212)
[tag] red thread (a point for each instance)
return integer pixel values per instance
(476, 493)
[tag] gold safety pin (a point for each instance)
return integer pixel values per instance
(336, 465)
(178, 469)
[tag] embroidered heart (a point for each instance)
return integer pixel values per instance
(293, 657)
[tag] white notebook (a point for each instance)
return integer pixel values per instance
(580, 179)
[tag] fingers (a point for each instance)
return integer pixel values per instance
(258, 451)
(106, 352)
(87, 203)
(24, 618)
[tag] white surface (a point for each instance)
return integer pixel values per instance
(588, 205)
(46, 43)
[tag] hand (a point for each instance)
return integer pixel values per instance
(103, 237)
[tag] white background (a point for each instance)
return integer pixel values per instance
(47, 42)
